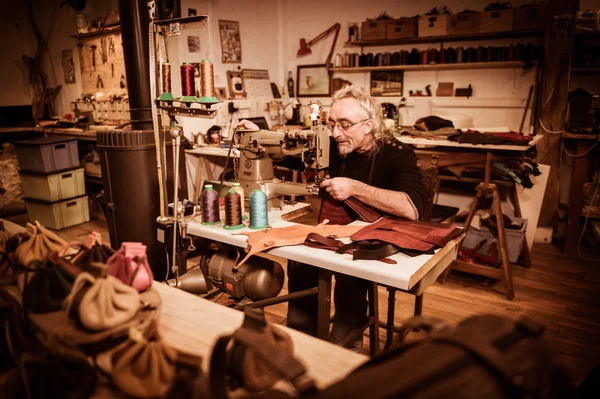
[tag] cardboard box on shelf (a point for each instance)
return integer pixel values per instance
(373, 30)
(496, 21)
(401, 28)
(530, 17)
(463, 24)
(433, 25)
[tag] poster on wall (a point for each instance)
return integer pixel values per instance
(193, 44)
(231, 45)
(68, 66)
(387, 84)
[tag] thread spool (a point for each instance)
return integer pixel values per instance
(207, 80)
(259, 215)
(209, 200)
(240, 190)
(165, 72)
(188, 83)
(233, 211)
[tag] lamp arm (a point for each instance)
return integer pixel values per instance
(336, 27)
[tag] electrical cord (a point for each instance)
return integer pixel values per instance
(578, 155)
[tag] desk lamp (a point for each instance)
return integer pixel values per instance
(305, 47)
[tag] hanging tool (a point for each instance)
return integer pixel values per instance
(103, 52)
(80, 45)
(99, 83)
(93, 46)
(526, 108)
(122, 82)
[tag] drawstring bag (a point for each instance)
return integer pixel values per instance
(101, 303)
(130, 265)
(50, 285)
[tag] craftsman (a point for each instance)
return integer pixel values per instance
(369, 164)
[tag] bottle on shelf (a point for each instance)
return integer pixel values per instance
(290, 84)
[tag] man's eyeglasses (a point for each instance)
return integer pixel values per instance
(343, 125)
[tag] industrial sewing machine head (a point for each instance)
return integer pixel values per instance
(296, 149)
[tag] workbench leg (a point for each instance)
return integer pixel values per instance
(514, 198)
(391, 312)
(576, 196)
(374, 313)
(503, 249)
(324, 304)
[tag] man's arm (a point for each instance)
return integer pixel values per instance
(395, 203)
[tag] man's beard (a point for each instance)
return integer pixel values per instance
(344, 148)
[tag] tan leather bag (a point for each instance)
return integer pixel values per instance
(101, 303)
(41, 242)
(144, 366)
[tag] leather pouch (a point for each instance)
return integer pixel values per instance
(41, 241)
(101, 303)
(130, 265)
(50, 284)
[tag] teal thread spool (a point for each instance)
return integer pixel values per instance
(233, 211)
(210, 205)
(240, 190)
(259, 215)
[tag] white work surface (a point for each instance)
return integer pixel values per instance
(212, 151)
(420, 141)
(403, 275)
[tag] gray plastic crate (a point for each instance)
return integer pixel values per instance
(514, 239)
(47, 154)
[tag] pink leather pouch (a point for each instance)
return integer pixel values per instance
(130, 265)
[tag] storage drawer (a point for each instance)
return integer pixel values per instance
(373, 30)
(514, 239)
(464, 24)
(47, 154)
(401, 28)
(496, 21)
(433, 25)
(59, 215)
(53, 187)
(530, 17)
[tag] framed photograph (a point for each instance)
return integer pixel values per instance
(235, 82)
(68, 66)
(231, 44)
(387, 84)
(193, 44)
(313, 81)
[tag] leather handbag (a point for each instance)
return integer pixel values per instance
(260, 356)
(50, 284)
(144, 366)
(101, 303)
(130, 265)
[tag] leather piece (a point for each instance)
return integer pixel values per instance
(106, 304)
(364, 211)
(144, 367)
(41, 241)
(293, 235)
(368, 250)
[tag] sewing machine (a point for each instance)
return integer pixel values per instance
(259, 150)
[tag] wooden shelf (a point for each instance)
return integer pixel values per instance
(105, 31)
(589, 70)
(446, 38)
(433, 67)
(594, 212)
(182, 20)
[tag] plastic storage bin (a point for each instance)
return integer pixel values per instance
(53, 187)
(47, 154)
(514, 239)
(61, 214)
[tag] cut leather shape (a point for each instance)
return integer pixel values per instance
(365, 212)
(134, 271)
(49, 286)
(358, 250)
(144, 367)
(101, 303)
(337, 212)
(293, 235)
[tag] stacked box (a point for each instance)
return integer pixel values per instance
(53, 186)
(373, 30)
(60, 214)
(402, 28)
(464, 24)
(496, 21)
(433, 25)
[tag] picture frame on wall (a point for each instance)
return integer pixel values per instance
(387, 83)
(231, 44)
(313, 81)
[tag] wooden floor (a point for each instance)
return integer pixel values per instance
(561, 291)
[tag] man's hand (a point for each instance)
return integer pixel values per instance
(340, 188)
(246, 124)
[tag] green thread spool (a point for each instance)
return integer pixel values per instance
(259, 215)
(240, 190)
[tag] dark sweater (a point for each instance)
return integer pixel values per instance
(395, 169)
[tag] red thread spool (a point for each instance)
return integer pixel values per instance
(188, 83)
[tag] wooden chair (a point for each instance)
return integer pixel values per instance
(429, 177)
